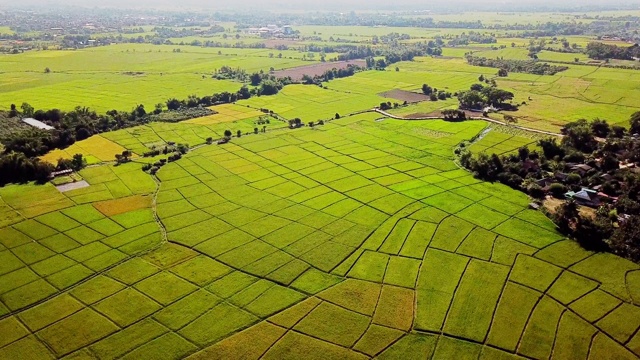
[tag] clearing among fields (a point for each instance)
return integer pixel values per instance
(356, 239)
(403, 95)
(297, 73)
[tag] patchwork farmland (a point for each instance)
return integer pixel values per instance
(351, 240)
(348, 234)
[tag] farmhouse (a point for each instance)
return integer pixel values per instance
(586, 197)
(37, 124)
(582, 169)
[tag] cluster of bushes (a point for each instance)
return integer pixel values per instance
(454, 115)
(601, 51)
(472, 37)
(176, 152)
(435, 94)
(16, 167)
(181, 114)
(480, 96)
(599, 167)
(518, 66)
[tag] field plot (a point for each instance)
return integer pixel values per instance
(356, 239)
(95, 149)
(123, 76)
(226, 113)
(297, 73)
(407, 96)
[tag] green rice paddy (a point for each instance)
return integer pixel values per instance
(356, 239)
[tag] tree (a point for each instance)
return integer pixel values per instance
(27, 110)
(158, 109)
(481, 78)
(579, 136)
(551, 149)
(426, 89)
(477, 87)
(600, 128)
(14, 111)
(238, 133)
(626, 239)
(471, 99)
(592, 233)
(269, 87)
(244, 92)
(308, 80)
(227, 134)
(634, 121)
(337, 116)
(174, 104)
(47, 70)
(503, 73)
(78, 162)
(139, 111)
(566, 215)
(255, 79)
(557, 190)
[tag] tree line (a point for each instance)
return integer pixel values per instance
(519, 66)
(600, 51)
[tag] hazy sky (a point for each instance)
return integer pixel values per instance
(327, 5)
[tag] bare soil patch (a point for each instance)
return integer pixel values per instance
(72, 186)
(403, 95)
(297, 73)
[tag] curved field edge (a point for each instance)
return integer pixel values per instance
(355, 239)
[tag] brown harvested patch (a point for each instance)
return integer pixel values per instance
(248, 344)
(395, 308)
(357, 295)
(121, 206)
(404, 95)
(297, 73)
(291, 316)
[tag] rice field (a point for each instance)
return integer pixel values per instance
(356, 239)
(123, 76)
